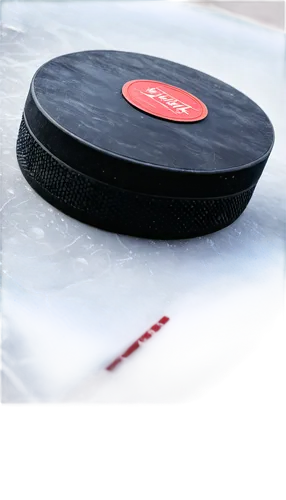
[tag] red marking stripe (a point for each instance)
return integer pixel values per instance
(147, 335)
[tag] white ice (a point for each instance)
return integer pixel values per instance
(75, 297)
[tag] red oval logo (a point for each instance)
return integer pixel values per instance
(164, 101)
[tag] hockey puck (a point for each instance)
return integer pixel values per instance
(142, 146)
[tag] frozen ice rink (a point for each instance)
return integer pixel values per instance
(74, 297)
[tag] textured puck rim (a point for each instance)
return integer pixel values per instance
(183, 197)
(143, 163)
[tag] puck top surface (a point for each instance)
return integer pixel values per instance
(81, 95)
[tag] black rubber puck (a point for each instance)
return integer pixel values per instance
(142, 146)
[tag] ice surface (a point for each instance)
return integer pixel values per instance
(75, 297)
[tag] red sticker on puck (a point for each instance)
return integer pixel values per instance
(164, 101)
